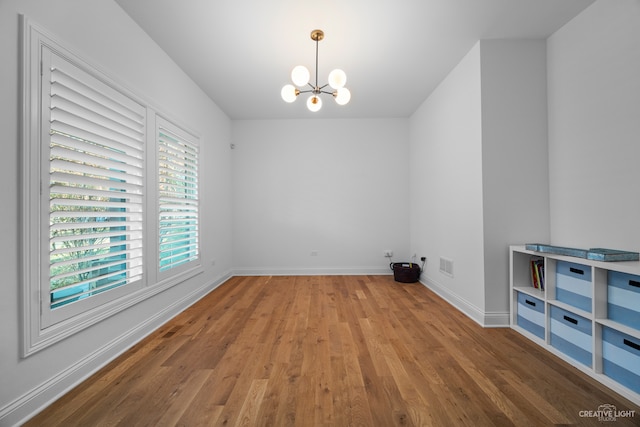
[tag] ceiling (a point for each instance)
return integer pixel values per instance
(241, 52)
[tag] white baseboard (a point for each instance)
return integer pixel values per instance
(38, 398)
(292, 271)
(496, 319)
(482, 318)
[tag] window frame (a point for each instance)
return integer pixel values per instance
(37, 331)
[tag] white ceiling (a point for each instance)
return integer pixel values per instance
(241, 52)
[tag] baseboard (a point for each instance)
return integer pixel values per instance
(482, 318)
(292, 271)
(26, 406)
(496, 319)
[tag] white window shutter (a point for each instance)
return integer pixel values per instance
(177, 197)
(96, 156)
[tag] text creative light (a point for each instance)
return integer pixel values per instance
(300, 77)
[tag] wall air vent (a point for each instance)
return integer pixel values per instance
(446, 266)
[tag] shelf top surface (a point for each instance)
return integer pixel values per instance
(631, 267)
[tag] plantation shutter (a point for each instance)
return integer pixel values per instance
(96, 154)
(177, 197)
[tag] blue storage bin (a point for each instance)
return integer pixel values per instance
(571, 334)
(573, 284)
(621, 358)
(531, 314)
(623, 298)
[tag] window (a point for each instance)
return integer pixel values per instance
(177, 197)
(93, 143)
(99, 194)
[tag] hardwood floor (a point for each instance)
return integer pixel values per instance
(332, 351)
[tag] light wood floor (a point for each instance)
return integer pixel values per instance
(332, 351)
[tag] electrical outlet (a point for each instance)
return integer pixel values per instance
(388, 253)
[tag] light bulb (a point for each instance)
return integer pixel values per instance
(342, 95)
(289, 93)
(337, 78)
(300, 75)
(314, 103)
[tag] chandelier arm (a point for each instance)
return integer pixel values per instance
(328, 93)
(306, 91)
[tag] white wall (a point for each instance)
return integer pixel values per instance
(101, 33)
(577, 189)
(515, 183)
(478, 152)
(594, 127)
(337, 187)
(446, 181)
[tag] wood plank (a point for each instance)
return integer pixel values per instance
(360, 411)
(248, 415)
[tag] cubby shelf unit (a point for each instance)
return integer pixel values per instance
(595, 338)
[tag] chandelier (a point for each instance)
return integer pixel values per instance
(300, 77)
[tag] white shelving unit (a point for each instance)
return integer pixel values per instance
(583, 338)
